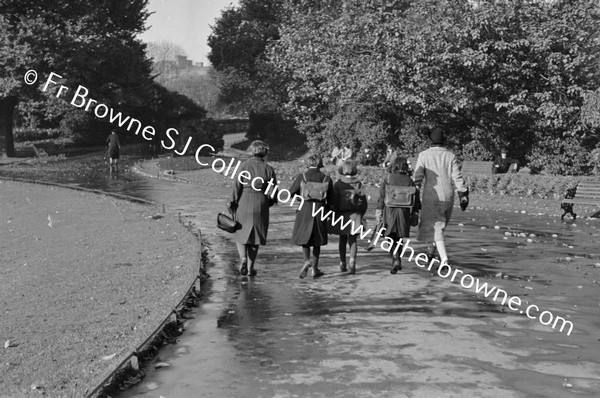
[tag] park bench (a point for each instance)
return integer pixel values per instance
(477, 167)
(468, 167)
(587, 192)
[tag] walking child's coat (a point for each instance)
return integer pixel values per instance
(344, 184)
(309, 230)
(396, 220)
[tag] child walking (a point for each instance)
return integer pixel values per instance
(350, 202)
(397, 206)
(311, 232)
(114, 148)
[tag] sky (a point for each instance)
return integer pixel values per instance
(184, 22)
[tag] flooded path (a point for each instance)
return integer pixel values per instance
(379, 335)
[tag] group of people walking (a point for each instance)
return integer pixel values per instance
(426, 200)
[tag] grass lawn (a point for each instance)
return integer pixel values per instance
(84, 279)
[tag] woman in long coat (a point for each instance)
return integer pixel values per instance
(396, 220)
(311, 232)
(438, 174)
(252, 207)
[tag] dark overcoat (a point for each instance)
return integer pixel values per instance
(253, 205)
(113, 146)
(396, 220)
(344, 183)
(309, 230)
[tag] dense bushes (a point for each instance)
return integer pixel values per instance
(202, 131)
(566, 156)
(35, 134)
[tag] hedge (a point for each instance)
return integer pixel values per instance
(527, 185)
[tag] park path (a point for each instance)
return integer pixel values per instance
(379, 335)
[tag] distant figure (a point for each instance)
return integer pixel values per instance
(390, 156)
(114, 148)
(336, 154)
(504, 165)
(347, 153)
(367, 158)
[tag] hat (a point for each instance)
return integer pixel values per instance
(437, 136)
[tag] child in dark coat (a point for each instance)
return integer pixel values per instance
(396, 220)
(349, 202)
(311, 232)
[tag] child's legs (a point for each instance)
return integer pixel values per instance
(353, 246)
(306, 253)
(342, 248)
(395, 238)
(252, 253)
(315, 256)
(441, 248)
(242, 251)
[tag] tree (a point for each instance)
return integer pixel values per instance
(501, 73)
(92, 43)
(164, 57)
(238, 42)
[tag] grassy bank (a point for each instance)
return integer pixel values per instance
(85, 280)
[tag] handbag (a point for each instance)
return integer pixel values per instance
(227, 223)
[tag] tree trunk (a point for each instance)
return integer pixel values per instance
(7, 108)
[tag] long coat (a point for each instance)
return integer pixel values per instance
(344, 183)
(396, 220)
(253, 205)
(309, 230)
(113, 146)
(438, 174)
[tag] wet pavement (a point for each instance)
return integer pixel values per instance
(379, 335)
(373, 334)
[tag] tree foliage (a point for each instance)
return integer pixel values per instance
(512, 73)
(164, 59)
(238, 42)
(92, 43)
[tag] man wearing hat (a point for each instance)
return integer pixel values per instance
(438, 176)
(503, 165)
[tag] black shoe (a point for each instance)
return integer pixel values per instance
(343, 267)
(317, 273)
(244, 267)
(396, 266)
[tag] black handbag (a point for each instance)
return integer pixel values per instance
(227, 223)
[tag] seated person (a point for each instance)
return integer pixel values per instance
(346, 153)
(390, 156)
(367, 157)
(336, 154)
(502, 164)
